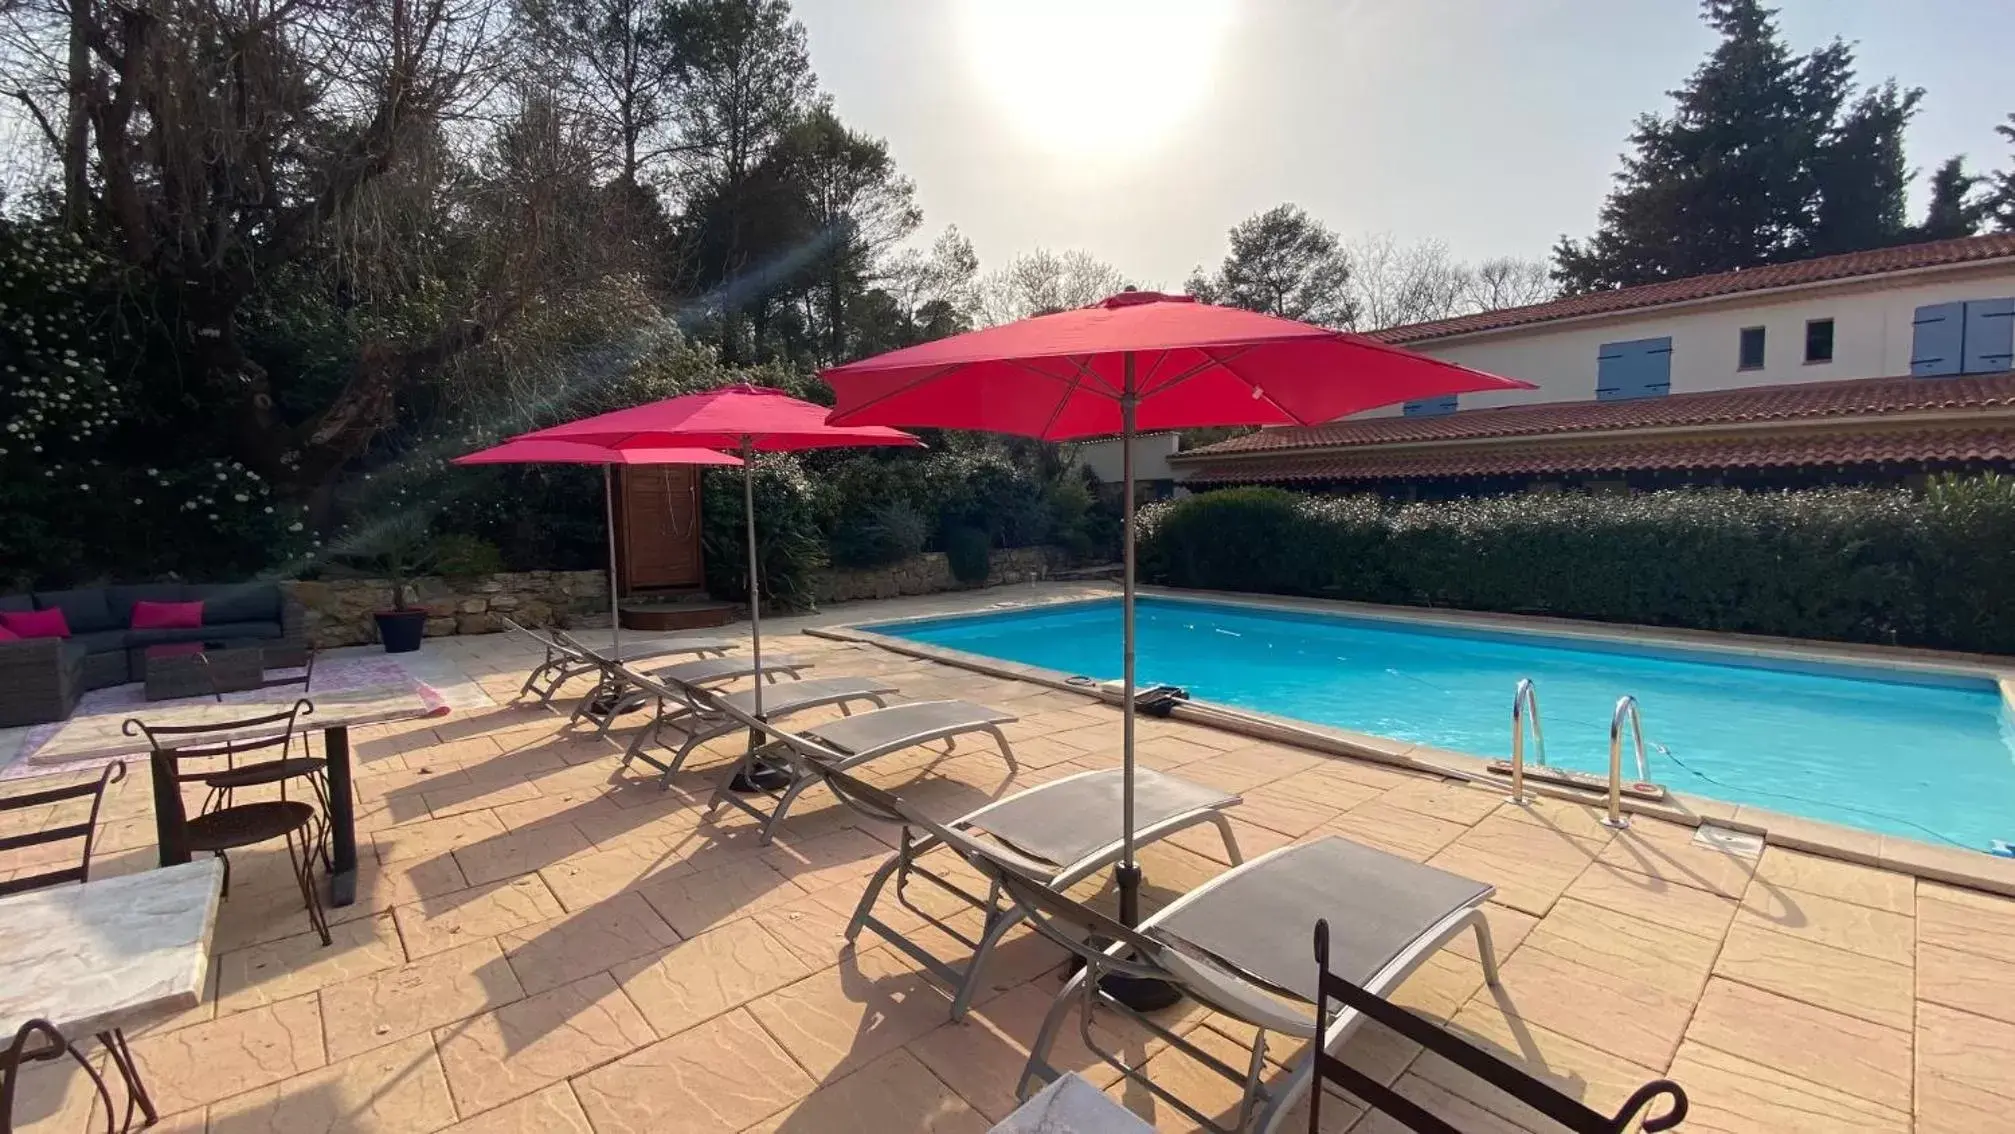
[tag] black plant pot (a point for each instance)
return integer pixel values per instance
(401, 630)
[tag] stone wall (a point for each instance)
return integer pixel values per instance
(339, 610)
(926, 574)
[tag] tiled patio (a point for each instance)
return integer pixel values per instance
(546, 943)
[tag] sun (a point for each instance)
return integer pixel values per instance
(1095, 76)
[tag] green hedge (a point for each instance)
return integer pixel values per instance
(1933, 568)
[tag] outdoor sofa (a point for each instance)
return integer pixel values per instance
(41, 678)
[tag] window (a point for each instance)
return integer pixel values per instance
(1976, 336)
(1430, 407)
(1640, 368)
(1819, 340)
(1749, 355)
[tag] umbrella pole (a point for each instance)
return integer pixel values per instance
(609, 515)
(755, 599)
(1128, 872)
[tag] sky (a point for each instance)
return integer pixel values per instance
(1141, 130)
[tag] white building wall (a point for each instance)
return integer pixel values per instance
(1150, 457)
(1871, 338)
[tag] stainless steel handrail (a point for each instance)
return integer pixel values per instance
(1524, 702)
(1626, 706)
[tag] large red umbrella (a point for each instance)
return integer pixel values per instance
(1139, 360)
(576, 453)
(748, 419)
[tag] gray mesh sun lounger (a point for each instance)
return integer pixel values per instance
(620, 693)
(1070, 826)
(803, 759)
(567, 659)
(1238, 945)
(691, 716)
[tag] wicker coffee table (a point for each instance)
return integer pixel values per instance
(179, 671)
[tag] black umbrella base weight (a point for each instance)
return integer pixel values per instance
(1141, 994)
(760, 781)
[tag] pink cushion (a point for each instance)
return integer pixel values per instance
(167, 615)
(36, 623)
(7, 635)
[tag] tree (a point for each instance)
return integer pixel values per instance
(617, 60)
(1506, 281)
(1042, 281)
(1284, 262)
(1954, 209)
(1755, 165)
(2001, 197)
(1392, 284)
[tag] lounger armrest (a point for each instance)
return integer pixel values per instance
(1213, 985)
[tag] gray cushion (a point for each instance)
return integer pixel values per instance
(85, 610)
(73, 654)
(229, 632)
(237, 602)
(101, 641)
(122, 598)
(17, 602)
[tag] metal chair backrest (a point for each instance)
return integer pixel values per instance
(229, 739)
(86, 830)
(1569, 1112)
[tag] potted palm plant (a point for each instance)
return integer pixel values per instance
(401, 627)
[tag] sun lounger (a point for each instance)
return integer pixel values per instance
(1235, 946)
(689, 712)
(1569, 1113)
(567, 659)
(619, 692)
(1070, 826)
(799, 760)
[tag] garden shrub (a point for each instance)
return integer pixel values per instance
(1853, 564)
(788, 539)
(888, 533)
(969, 553)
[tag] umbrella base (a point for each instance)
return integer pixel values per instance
(760, 781)
(606, 706)
(1142, 994)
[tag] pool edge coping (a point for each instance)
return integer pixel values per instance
(1915, 857)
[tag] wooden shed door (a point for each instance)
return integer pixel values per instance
(658, 527)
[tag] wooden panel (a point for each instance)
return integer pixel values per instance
(658, 527)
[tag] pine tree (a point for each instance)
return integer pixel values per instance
(1953, 211)
(1756, 164)
(2001, 199)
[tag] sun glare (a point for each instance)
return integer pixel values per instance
(1095, 76)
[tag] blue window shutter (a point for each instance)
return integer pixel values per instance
(1990, 336)
(1640, 368)
(1430, 407)
(1937, 339)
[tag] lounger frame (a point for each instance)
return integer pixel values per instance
(689, 710)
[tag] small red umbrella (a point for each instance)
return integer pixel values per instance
(576, 453)
(1139, 360)
(748, 419)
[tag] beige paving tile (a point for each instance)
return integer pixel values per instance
(1829, 921)
(843, 1017)
(536, 1042)
(895, 1092)
(699, 979)
(841, 858)
(1283, 810)
(1206, 840)
(1591, 1073)
(439, 989)
(1624, 946)
(1954, 978)
(398, 1088)
(1406, 833)
(1633, 1020)
(583, 879)
(1731, 1095)
(1834, 1050)
(694, 903)
(520, 852)
(551, 1111)
(202, 1063)
(1527, 883)
(293, 966)
(1965, 919)
(1508, 929)
(721, 1075)
(1325, 786)
(552, 953)
(1453, 800)
(1963, 1069)
(434, 837)
(1563, 817)
(1454, 1109)
(1655, 900)
(447, 920)
(982, 1056)
(475, 796)
(1666, 853)
(1876, 991)
(1832, 878)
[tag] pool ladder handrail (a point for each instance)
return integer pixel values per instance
(1524, 705)
(1626, 708)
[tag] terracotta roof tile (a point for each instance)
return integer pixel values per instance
(1858, 397)
(1774, 450)
(1908, 257)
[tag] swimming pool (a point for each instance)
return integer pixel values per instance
(1928, 756)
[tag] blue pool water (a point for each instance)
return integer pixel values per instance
(1930, 757)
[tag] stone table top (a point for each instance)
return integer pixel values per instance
(108, 954)
(1071, 1105)
(100, 736)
